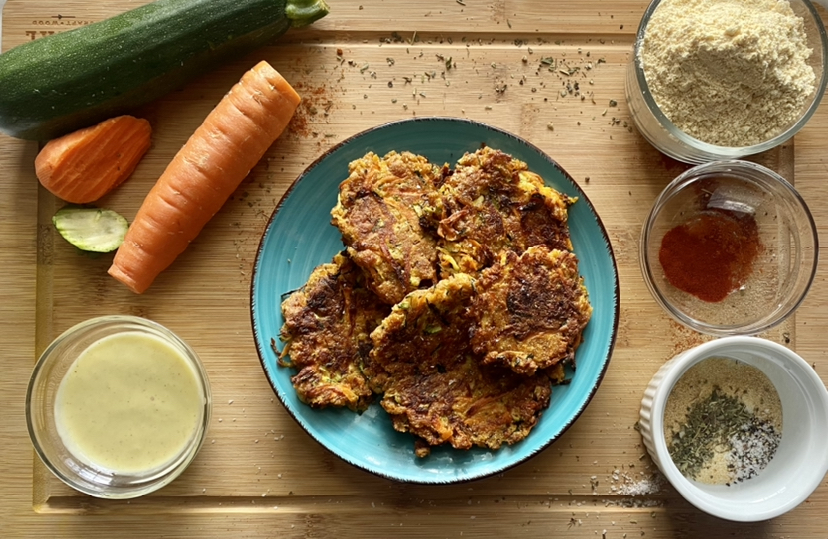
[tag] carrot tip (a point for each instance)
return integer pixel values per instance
(128, 281)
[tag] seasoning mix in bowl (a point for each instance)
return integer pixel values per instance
(118, 406)
(729, 247)
(722, 421)
(737, 426)
(722, 79)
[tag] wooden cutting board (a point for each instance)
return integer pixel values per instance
(372, 61)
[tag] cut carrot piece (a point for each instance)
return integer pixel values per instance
(204, 173)
(86, 164)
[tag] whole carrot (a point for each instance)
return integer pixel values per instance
(204, 173)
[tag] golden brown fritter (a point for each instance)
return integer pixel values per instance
(423, 333)
(530, 310)
(493, 202)
(385, 207)
(436, 387)
(327, 330)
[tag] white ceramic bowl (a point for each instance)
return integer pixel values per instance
(801, 459)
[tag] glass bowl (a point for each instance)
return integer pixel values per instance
(78, 459)
(782, 234)
(665, 136)
(800, 461)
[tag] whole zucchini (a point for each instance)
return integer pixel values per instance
(56, 84)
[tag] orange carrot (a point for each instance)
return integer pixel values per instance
(204, 173)
(86, 164)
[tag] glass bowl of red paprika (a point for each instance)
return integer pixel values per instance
(729, 248)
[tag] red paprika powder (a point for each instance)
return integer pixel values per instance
(712, 254)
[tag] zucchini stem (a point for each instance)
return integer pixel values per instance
(305, 12)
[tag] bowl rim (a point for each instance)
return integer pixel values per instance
(674, 370)
(178, 465)
(735, 167)
(260, 340)
(725, 152)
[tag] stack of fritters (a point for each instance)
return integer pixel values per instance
(434, 385)
(487, 301)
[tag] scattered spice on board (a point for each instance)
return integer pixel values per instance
(711, 254)
(314, 109)
(722, 422)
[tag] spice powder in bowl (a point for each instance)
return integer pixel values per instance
(711, 254)
(722, 422)
(728, 248)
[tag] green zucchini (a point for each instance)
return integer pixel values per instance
(60, 83)
(91, 229)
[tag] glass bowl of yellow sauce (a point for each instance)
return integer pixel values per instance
(118, 406)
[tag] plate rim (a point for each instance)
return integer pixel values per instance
(616, 289)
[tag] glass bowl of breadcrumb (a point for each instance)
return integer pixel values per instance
(725, 79)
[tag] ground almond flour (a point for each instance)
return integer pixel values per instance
(728, 72)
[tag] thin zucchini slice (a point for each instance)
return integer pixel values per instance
(91, 229)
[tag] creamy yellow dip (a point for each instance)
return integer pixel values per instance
(130, 403)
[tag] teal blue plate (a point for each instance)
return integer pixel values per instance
(299, 237)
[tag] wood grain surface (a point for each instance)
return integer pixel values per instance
(368, 62)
